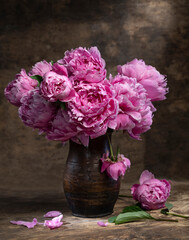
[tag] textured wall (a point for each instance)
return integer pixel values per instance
(155, 31)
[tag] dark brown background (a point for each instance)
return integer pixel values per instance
(153, 30)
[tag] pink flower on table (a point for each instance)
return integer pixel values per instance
(152, 193)
(135, 109)
(115, 169)
(19, 87)
(35, 111)
(92, 109)
(54, 223)
(26, 224)
(56, 87)
(40, 68)
(154, 83)
(84, 64)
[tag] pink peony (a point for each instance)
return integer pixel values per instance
(59, 69)
(19, 87)
(115, 169)
(61, 127)
(56, 87)
(94, 106)
(83, 64)
(40, 68)
(154, 83)
(35, 111)
(151, 192)
(54, 223)
(135, 109)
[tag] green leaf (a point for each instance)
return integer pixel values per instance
(112, 219)
(52, 62)
(169, 206)
(38, 78)
(132, 217)
(133, 208)
(63, 105)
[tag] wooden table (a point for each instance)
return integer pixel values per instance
(26, 206)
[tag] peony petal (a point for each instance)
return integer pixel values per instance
(105, 165)
(146, 175)
(26, 224)
(54, 223)
(134, 191)
(102, 224)
(59, 69)
(53, 214)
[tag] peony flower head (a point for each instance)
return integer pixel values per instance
(135, 109)
(40, 68)
(19, 87)
(35, 111)
(152, 193)
(93, 107)
(115, 169)
(56, 87)
(84, 64)
(154, 82)
(62, 129)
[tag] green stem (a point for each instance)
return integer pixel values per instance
(111, 150)
(177, 215)
(163, 219)
(128, 196)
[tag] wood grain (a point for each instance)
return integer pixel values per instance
(24, 206)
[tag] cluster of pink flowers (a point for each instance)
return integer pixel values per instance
(74, 99)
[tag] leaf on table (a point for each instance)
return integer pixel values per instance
(112, 219)
(133, 208)
(169, 206)
(132, 216)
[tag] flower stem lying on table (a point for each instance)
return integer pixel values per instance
(127, 196)
(175, 214)
(166, 210)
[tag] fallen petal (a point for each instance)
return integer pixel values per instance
(102, 224)
(54, 223)
(52, 214)
(26, 224)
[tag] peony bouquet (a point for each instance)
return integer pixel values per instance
(73, 99)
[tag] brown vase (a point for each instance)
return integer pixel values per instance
(89, 192)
